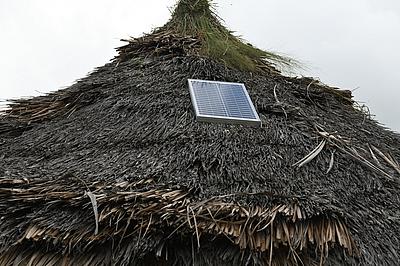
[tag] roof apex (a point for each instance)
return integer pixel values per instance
(192, 7)
(198, 18)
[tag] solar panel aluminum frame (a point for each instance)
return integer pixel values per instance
(224, 119)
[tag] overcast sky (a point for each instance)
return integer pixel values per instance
(353, 44)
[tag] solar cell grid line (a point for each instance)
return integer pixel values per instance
(230, 101)
(209, 94)
(236, 102)
(208, 99)
(224, 102)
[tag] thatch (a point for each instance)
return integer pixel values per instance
(115, 170)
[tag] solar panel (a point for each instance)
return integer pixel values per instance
(226, 102)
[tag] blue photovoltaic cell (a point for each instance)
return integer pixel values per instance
(220, 99)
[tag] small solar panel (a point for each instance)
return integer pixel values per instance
(216, 101)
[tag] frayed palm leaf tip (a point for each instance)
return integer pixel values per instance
(198, 18)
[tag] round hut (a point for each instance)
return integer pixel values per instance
(117, 170)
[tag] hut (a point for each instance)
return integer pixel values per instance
(116, 170)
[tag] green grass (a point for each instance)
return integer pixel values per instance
(197, 18)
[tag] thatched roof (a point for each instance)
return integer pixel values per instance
(115, 169)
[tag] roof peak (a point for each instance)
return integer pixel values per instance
(198, 18)
(192, 7)
(194, 17)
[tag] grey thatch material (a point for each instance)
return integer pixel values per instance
(115, 170)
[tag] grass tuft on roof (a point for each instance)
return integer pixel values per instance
(198, 18)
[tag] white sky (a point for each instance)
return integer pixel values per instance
(354, 44)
